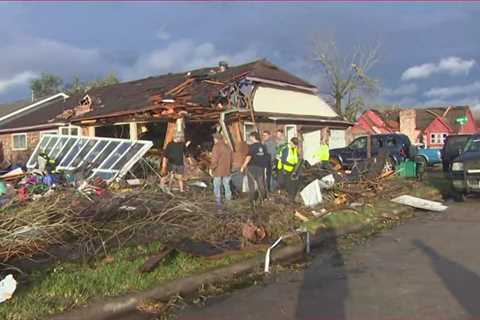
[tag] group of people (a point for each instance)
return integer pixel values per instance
(270, 164)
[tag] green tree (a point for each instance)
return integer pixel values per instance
(47, 84)
(77, 86)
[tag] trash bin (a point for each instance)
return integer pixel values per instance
(408, 168)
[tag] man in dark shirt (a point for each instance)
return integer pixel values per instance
(257, 161)
(271, 145)
(173, 160)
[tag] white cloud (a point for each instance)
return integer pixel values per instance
(39, 54)
(472, 101)
(450, 65)
(403, 90)
(18, 79)
(455, 65)
(183, 55)
(446, 92)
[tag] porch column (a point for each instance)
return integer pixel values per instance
(91, 131)
(133, 131)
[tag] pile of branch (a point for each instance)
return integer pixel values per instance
(113, 220)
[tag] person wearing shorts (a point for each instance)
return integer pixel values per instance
(173, 160)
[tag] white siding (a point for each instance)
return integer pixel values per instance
(281, 101)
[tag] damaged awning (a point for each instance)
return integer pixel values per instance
(109, 158)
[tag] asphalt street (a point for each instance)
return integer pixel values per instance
(427, 268)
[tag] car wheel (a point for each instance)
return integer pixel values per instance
(422, 161)
(335, 163)
(459, 196)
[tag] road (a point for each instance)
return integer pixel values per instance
(427, 268)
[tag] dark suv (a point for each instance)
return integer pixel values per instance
(396, 146)
(452, 148)
(465, 169)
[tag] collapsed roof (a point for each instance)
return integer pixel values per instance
(190, 92)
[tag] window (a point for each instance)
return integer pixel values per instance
(377, 143)
(108, 157)
(391, 142)
(19, 141)
(359, 143)
(70, 131)
(248, 127)
(290, 131)
(438, 138)
(472, 145)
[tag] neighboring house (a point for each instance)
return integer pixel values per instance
(21, 127)
(428, 126)
(236, 99)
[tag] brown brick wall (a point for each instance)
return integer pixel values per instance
(19, 156)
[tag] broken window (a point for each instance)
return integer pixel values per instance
(109, 157)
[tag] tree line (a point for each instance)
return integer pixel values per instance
(49, 84)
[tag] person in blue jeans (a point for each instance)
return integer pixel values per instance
(220, 167)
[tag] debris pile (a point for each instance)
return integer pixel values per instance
(113, 219)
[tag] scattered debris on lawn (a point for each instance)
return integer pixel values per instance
(155, 259)
(420, 203)
(7, 287)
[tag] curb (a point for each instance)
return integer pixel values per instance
(123, 305)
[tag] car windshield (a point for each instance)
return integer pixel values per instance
(360, 143)
(456, 142)
(473, 145)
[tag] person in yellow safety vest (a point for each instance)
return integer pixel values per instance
(287, 165)
(323, 152)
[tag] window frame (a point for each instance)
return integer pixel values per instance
(72, 147)
(438, 137)
(285, 131)
(245, 133)
(69, 130)
(13, 141)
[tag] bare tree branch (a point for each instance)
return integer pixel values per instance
(347, 75)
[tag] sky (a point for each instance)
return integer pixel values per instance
(430, 52)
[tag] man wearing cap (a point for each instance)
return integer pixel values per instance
(173, 160)
(221, 166)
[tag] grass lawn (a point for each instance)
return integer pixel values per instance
(61, 287)
(67, 285)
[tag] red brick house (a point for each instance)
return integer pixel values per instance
(22, 127)
(427, 126)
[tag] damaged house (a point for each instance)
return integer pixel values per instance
(22, 124)
(235, 100)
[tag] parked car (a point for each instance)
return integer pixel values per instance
(452, 148)
(428, 156)
(465, 169)
(397, 147)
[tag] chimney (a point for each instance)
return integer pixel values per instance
(222, 66)
(408, 124)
